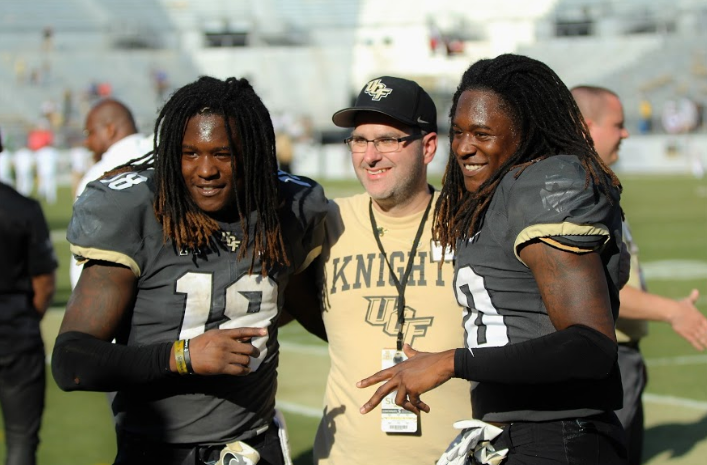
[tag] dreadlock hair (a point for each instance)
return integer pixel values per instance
(252, 141)
(546, 117)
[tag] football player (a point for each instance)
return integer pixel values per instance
(185, 264)
(533, 215)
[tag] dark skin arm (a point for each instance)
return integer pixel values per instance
(104, 296)
(43, 286)
(574, 291)
(302, 301)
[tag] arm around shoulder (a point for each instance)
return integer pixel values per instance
(303, 300)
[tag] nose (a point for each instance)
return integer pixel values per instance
(463, 146)
(624, 133)
(206, 168)
(371, 155)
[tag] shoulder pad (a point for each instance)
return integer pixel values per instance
(112, 218)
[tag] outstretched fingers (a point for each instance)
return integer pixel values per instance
(377, 396)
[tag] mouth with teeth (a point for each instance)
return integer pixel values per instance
(472, 167)
(377, 172)
(209, 190)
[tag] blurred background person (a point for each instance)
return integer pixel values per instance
(604, 115)
(113, 139)
(81, 161)
(27, 283)
(47, 160)
(24, 170)
(6, 171)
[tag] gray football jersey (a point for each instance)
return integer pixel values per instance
(550, 199)
(182, 293)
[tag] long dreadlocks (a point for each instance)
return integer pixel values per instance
(546, 116)
(245, 117)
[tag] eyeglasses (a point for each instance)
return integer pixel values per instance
(382, 145)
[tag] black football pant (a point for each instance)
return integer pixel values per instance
(136, 451)
(22, 387)
(596, 440)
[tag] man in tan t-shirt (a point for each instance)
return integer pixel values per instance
(393, 140)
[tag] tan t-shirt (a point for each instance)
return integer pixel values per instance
(361, 320)
(627, 329)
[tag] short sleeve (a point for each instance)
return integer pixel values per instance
(111, 219)
(552, 201)
(303, 217)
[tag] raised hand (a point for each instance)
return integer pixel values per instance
(689, 322)
(421, 372)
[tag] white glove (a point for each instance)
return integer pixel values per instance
(473, 441)
(238, 453)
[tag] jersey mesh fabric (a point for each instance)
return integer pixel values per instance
(501, 298)
(181, 294)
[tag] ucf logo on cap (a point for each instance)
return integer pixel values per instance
(377, 90)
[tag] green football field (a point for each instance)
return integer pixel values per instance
(669, 220)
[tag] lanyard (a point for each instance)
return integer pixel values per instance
(400, 284)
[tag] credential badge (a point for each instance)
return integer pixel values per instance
(377, 90)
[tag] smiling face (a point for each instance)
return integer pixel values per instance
(396, 181)
(607, 130)
(483, 136)
(206, 166)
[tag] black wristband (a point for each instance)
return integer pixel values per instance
(187, 357)
(578, 352)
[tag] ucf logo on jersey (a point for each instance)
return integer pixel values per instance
(230, 241)
(377, 90)
(382, 311)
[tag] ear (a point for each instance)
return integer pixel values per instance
(429, 147)
(111, 131)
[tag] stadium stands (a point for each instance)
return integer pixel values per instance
(309, 56)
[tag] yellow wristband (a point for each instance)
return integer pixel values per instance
(179, 357)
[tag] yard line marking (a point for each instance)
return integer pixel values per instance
(299, 409)
(57, 235)
(307, 349)
(664, 270)
(677, 401)
(680, 360)
(675, 270)
(323, 351)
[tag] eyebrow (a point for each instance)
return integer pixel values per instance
(215, 149)
(473, 126)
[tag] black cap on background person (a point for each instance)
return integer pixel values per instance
(401, 99)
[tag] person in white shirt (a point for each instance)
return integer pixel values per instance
(112, 136)
(24, 171)
(81, 161)
(47, 159)
(6, 174)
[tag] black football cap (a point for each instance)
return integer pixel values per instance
(399, 98)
